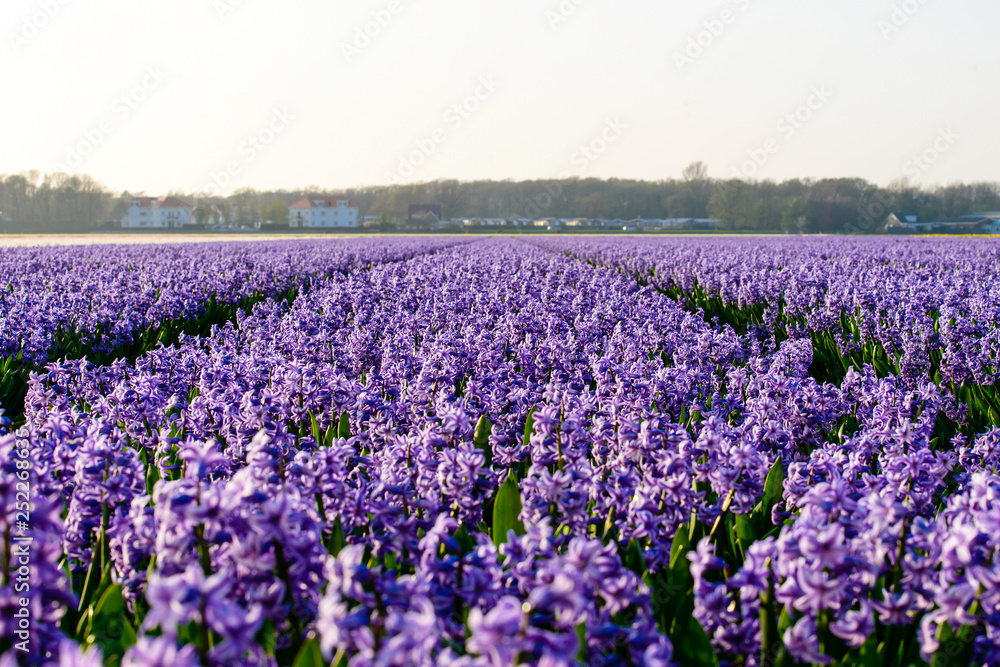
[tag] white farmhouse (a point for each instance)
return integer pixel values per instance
(321, 212)
(161, 212)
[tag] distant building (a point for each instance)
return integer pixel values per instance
(323, 212)
(672, 223)
(425, 212)
(702, 223)
(157, 212)
(901, 219)
(646, 223)
(994, 226)
(974, 223)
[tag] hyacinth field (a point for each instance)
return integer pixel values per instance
(493, 451)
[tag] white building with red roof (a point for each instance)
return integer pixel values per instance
(322, 212)
(157, 212)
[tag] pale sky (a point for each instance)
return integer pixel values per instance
(158, 95)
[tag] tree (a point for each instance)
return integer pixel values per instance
(694, 172)
(120, 207)
(202, 213)
(244, 207)
(276, 212)
(793, 216)
(59, 202)
(450, 194)
(726, 204)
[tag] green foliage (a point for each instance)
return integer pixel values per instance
(275, 212)
(106, 624)
(309, 655)
(337, 539)
(774, 487)
(318, 436)
(481, 439)
(61, 202)
(344, 426)
(691, 645)
(632, 558)
(74, 344)
(529, 427)
(507, 510)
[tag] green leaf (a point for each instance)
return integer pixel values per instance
(868, 653)
(187, 634)
(529, 427)
(680, 548)
(633, 559)
(506, 510)
(581, 636)
(692, 646)
(129, 636)
(336, 540)
(774, 487)
(344, 430)
(481, 439)
(314, 428)
(83, 627)
(956, 649)
(267, 637)
(109, 627)
(466, 543)
(744, 530)
(770, 640)
(309, 655)
(110, 605)
(91, 583)
(785, 621)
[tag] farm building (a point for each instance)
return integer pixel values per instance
(973, 223)
(323, 212)
(425, 212)
(161, 212)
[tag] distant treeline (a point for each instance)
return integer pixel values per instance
(58, 203)
(30, 202)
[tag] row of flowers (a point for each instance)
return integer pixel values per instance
(498, 454)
